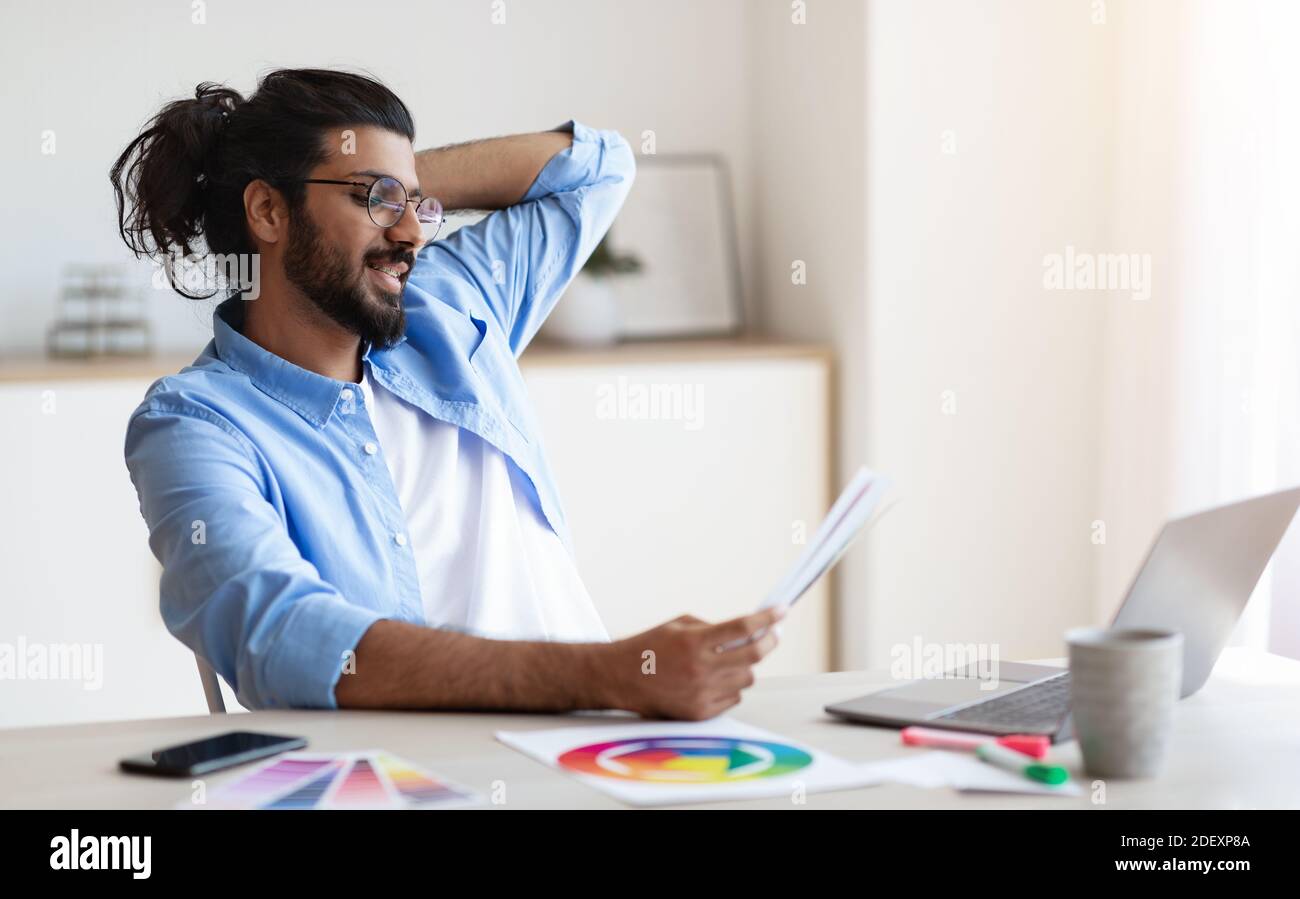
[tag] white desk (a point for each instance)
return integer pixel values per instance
(1235, 746)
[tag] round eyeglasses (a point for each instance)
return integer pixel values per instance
(386, 201)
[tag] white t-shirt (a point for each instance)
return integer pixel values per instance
(489, 564)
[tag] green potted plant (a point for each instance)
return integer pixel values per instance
(588, 313)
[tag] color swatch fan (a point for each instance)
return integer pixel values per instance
(372, 779)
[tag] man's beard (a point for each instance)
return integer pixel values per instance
(327, 278)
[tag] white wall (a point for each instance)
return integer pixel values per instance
(1202, 379)
(77, 573)
(991, 542)
(94, 72)
(1137, 484)
(809, 99)
(925, 270)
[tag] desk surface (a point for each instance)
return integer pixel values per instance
(1235, 746)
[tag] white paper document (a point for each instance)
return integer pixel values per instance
(851, 511)
(846, 519)
(939, 768)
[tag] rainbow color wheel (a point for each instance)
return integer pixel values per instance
(685, 760)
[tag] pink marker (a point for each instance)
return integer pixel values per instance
(1032, 745)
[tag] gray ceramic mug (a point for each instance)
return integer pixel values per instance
(1124, 685)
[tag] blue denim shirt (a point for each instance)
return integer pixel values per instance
(268, 500)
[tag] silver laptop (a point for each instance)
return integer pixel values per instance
(1196, 579)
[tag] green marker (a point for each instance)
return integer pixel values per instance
(1014, 761)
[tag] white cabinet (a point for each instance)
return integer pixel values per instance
(688, 478)
(688, 472)
(76, 573)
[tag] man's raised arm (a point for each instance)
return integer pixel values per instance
(487, 174)
(556, 193)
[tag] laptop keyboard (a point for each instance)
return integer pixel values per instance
(1036, 708)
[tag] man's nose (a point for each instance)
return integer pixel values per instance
(408, 229)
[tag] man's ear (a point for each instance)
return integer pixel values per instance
(266, 211)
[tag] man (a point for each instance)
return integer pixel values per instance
(347, 490)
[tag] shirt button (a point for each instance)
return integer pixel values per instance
(346, 393)
(399, 539)
(370, 449)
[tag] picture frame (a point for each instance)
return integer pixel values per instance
(679, 222)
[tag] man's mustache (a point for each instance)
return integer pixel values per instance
(395, 256)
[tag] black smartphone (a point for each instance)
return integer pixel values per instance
(211, 754)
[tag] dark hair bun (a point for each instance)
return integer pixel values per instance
(163, 174)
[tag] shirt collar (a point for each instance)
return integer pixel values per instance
(311, 395)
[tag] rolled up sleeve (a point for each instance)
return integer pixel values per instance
(523, 257)
(235, 589)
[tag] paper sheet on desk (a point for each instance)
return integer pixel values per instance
(960, 771)
(681, 762)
